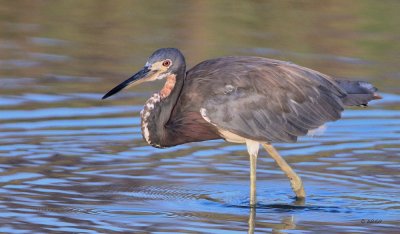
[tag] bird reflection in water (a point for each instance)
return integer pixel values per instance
(287, 223)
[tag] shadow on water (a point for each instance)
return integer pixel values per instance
(70, 163)
(295, 206)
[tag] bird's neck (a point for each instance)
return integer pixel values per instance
(157, 110)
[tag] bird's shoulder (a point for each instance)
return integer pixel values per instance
(231, 65)
(262, 99)
(256, 74)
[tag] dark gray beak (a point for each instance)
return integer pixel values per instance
(134, 79)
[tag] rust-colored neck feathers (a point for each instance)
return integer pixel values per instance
(168, 86)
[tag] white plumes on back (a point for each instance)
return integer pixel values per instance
(366, 85)
(317, 131)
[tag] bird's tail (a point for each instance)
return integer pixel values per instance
(359, 93)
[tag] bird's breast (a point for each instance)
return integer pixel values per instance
(145, 117)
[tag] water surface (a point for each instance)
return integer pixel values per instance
(71, 163)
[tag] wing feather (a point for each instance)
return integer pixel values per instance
(265, 100)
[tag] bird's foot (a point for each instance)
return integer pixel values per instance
(298, 188)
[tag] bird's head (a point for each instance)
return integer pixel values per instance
(161, 64)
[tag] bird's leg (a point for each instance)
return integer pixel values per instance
(253, 179)
(295, 181)
(252, 148)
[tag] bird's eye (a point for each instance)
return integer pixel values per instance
(166, 63)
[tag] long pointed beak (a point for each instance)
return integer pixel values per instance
(131, 81)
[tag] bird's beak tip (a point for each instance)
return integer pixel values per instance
(135, 78)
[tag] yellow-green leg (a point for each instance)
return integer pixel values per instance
(252, 148)
(295, 181)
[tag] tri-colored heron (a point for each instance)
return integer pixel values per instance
(241, 99)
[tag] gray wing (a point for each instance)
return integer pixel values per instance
(266, 100)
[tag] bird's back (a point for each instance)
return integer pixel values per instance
(257, 98)
(262, 74)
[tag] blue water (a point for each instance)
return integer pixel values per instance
(88, 170)
(71, 163)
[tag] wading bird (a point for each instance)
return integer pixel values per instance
(251, 100)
